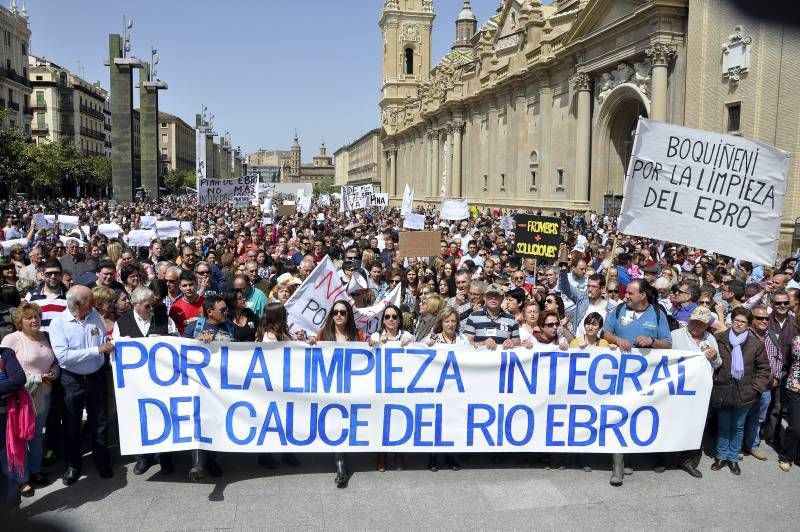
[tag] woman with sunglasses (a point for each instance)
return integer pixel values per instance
(553, 302)
(548, 336)
(340, 326)
(244, 320)
(391, 332)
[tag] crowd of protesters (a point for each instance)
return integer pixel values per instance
(68, 293)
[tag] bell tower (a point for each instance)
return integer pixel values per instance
(406, 27)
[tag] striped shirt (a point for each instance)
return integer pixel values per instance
(52, 305)
(482, 326)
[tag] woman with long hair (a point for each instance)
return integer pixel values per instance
(391, 331)
(274, 326)
(340, 326)
(244, 320)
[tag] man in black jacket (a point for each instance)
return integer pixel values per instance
(146, 319)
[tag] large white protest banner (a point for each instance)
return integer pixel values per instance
(408, 201)
(238, 192)
(308, 307)
(705, 189)
(355, 197)
(454, 209)
(176, 394)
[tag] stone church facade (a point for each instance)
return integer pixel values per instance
(537, 106)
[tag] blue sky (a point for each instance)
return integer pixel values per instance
(263, 67)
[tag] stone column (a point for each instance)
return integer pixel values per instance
(121, 119)
(437, 157)
(660, 56)
(392, 171)
(426, 155)
(148, 131)
(448, 162)
(457, 130)
(583, 141)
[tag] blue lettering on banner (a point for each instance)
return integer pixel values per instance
(260, 397)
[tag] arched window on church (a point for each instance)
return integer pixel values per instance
(409, 62)
(534, 169)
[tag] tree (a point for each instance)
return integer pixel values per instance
(12, 156)
(324, 186)
(177, 180)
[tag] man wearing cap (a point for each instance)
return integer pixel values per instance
(687, 297)
(490, 326)
(759, 409)
(694, 337)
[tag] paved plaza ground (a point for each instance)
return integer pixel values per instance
(482, 496)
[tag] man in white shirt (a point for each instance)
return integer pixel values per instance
(146, 321)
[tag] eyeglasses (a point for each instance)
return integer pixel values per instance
(761, 318)
(551, 324)
(390, 316)
(779, 303)
(171, 281)
(395, 281)
(339, 313)
(684, 292)
(740, 322)
(203, 273)
(704, 303)
(52, 274)
(550, 301)
(223, 310)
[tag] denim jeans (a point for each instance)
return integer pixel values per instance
(36, 445)
(7, 477)
(730, 432)
(755, 417)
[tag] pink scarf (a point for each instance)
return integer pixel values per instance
(20, 428)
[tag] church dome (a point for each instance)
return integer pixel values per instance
(466, 13)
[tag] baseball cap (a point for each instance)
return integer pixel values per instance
(494, 289)
(701, 314)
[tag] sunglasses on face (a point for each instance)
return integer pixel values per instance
(761, 318)
(551, 324)
(339, 312)
(52, 274)
(390, 316)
